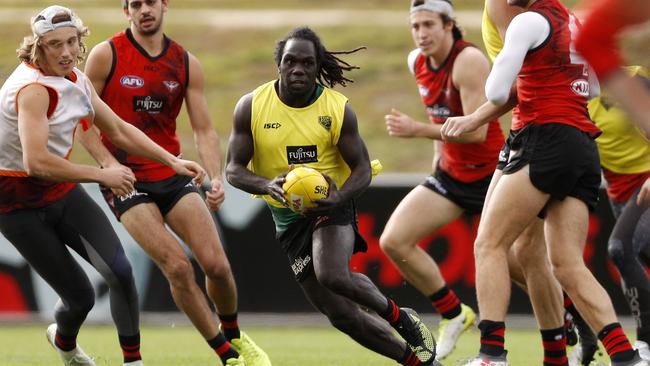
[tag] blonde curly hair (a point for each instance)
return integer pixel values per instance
(31, 51)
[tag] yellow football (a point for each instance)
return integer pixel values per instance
(302, 186)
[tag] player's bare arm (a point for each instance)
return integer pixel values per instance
(33, 102)
(399, 124)
(354, 152)
(205, 136)
(501, 14)
(98, 65)
(488, 111)
(469, 74)
(240, 153)
(97, 68)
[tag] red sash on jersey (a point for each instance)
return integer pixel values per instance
(553, 84)
(147, 92)
(464, 162)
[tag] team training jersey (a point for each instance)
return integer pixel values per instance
(70, 100)
(464, 162)
(624, 151)
(147, 92)
(553, 84)
(491, 37)
(307, 136)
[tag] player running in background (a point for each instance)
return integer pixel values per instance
(450, 74)
(145, 76)
(313, 118)
(625, 160)
(42, 208)
(553, 171)
(597, 42)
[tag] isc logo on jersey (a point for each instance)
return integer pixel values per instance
(132, 81)
(580, 87)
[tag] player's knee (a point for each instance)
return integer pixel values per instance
(531, 260)
(616, 252)
(82, 302)
(179, 272)
(566, 274)
(217, 270)
(482, 249)
(336, 282)
(391, 245)
(119, 275)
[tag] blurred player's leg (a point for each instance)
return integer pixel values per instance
(629, 237)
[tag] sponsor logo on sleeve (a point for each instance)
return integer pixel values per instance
(132, 81)
(302, 154)
(150, 104)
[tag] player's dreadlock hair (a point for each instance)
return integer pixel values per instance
(330, 67)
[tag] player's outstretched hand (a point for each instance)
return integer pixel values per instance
(333, 199)
(216, 195)
(643, 199)
(399, 124)
(189, 168)
(119, 179)
(454, 127)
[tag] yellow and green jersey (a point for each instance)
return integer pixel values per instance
(285, 136)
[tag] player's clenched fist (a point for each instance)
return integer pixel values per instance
(399, 124)
(120, 179)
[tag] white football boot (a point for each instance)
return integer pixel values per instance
(76, 357)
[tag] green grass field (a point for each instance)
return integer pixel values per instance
(287, 346)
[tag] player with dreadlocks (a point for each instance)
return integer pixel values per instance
(296, 119)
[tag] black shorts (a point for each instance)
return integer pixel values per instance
(164, 193)
(296, 241)
(563, 161)
(469, 196)
(504, 154)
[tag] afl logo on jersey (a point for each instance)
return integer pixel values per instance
(132, 81)
(580, 87)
